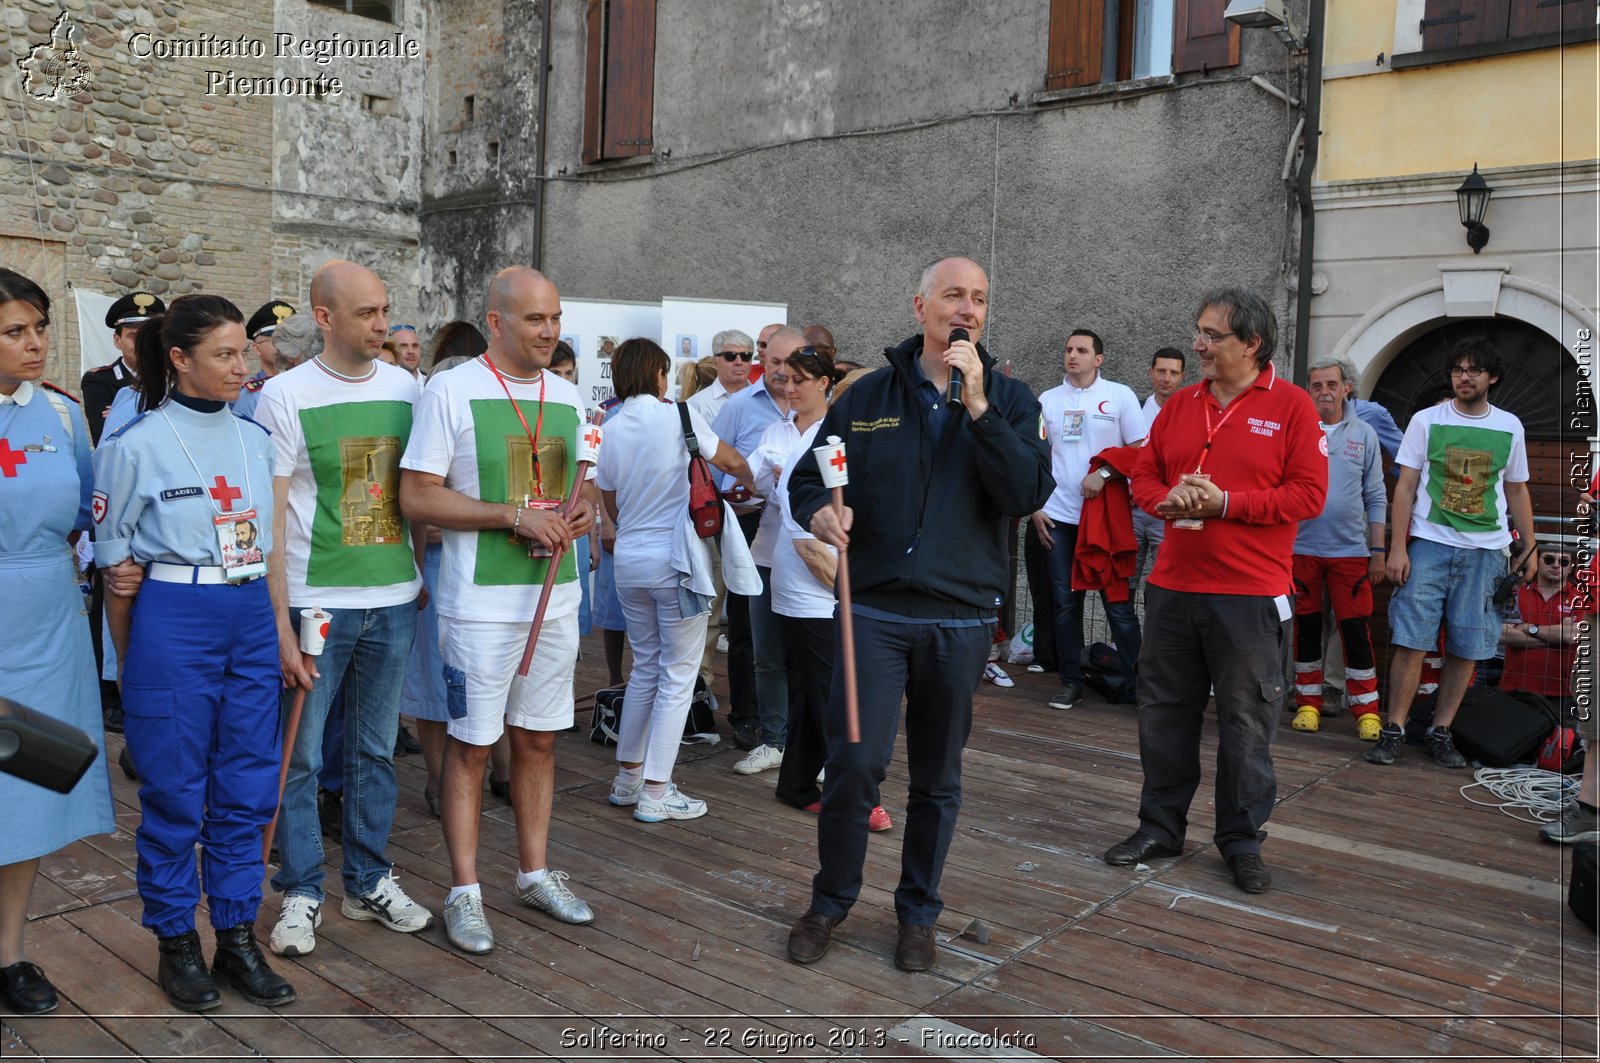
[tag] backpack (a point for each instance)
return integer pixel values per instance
(699, 727)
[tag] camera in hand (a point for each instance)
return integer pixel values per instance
(41, 749)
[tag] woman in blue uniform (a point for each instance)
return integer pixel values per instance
(49, 665)
(200, 676)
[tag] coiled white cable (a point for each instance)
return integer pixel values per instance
(1531, 795)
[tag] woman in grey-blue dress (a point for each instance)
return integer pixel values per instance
(45, 485)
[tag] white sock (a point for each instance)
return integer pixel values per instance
(456, 891)
(655, 791)
(629, 776)
(528, 878)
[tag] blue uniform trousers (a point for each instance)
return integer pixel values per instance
(200, 692)
(936, 669)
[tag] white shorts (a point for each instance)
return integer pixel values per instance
(483, 691)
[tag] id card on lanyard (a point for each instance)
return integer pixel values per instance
(239, 546)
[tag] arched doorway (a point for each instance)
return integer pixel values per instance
(458, 340)
(1542, 386)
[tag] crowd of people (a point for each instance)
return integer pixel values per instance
(344, 536)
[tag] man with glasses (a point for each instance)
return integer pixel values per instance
(1233, 464)
(734, 351)
(1463, 472)
(1542, 649)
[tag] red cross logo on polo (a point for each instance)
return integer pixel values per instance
(10, 459)
(590, 439)
(225, 493)
(98, 505)
(375, 490)
(831, 463)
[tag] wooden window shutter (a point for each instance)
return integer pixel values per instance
(630, 66)
(594, 84)
(1077, 39)
(1203, 39)
(619, 79)
(1529, 17)
(1453, 23)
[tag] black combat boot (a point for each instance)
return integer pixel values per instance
(183, 975)
(240, 964)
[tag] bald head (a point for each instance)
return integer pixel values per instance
(512, 282)
(954, 293)
(524, 320)
(351, 307)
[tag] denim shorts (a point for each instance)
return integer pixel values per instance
(1454, 586)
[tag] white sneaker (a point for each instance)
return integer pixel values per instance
(625, 795)
(1036, 669)
(675, 804)
(997, 675)
(296, 931)
(389, 905)
(722, 643)
(761, 758)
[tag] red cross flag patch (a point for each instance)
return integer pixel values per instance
(831, 463)
(98, 505)
(1322, 444)
(589, 439)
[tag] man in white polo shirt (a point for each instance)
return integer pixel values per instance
(339, 424)
(493, 454)
(1083, 416)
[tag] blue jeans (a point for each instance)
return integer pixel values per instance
(772, 675)
(366, 652)
(935, 669)
(1068, 614)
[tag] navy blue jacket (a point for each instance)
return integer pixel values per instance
(931, 523)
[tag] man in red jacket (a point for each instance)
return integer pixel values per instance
(1232, 465)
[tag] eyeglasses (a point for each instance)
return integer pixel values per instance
(1205, 337)
(736, 356)
(1467, 370)
(1556, 559)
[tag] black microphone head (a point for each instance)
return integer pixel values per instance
(958, 334)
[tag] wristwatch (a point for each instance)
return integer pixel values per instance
(1105, 473)
(1533, 629)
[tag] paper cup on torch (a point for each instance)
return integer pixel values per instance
(589, 444)
(314, 631)
(835, 470)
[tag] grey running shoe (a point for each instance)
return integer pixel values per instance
(1390, 739)
(1577, 824)
(466, 926)
(551, 895)
(389, 905)
(1442, 747)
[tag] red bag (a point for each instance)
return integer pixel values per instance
(705, 504)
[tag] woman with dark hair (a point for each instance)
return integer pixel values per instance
(643, 480)
(45, 486)
(802, 577)
(199, 652)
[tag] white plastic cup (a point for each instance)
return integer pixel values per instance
(314, 631)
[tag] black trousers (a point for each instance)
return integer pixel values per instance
(1239, 644)
(741, 644)
(1036, 562)
(935, 669)
(810, 663)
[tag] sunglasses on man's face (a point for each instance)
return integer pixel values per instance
(1556, 559)
(736, 356)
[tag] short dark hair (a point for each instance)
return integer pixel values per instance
(815, 361)
(1249, 317)
(1475, 350)
(1169, 352)
(637, 366)
(563, 354)
(1094, 339)
(14, 287)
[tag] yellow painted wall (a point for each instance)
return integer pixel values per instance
(1358, 30)
(1509, 110)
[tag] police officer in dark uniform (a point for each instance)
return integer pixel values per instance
(100, 386)
(259, 330)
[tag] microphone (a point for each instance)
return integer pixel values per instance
(957, 381)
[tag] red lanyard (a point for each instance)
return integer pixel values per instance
(538, 424)
(1211, 433)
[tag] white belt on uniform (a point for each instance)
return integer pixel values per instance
(162, 572)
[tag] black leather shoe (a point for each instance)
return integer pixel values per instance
(810, 937)
(1137, 847)
(916, 949)
(405, 744)
(183, 975)
(1250, 872)
(239, 963)
(125, 762)
(26, 990)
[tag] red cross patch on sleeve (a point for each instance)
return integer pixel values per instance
(98, 506)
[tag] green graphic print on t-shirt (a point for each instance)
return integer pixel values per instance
(506, 474)
(358, 537)
(1464, 467)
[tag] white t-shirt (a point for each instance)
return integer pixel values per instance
(339, 442)
(645, 461)
(1150, 408)
(1465, 464)
(1080, 423)
(795, 591)
(766, 463)
(468, 432)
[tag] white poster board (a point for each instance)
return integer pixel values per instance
(595, 328)
(691, 323)
(94, 339)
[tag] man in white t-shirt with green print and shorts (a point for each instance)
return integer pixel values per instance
(492, 453)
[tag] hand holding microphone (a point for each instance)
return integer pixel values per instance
(958, 381)
(962, 350)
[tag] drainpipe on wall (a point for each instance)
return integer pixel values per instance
(539, 137)
(1308, 166)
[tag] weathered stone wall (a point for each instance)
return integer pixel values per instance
(141, 180)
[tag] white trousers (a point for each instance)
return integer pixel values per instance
(666, 660)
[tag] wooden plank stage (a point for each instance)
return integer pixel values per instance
(1405, 924)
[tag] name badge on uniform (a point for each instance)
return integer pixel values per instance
(239, 543)
(1072, 426)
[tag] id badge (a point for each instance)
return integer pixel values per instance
(537, 550)
(239, 544)
(1072, 426)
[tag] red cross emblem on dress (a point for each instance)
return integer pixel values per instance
(831, 463)
(10, 459)
(225, 494)
(589, 444)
